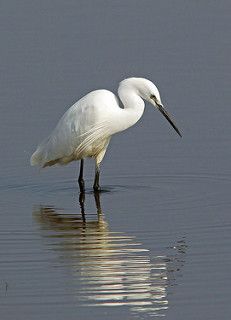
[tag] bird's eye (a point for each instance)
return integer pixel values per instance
(153, 97)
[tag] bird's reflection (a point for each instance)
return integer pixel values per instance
(110, 268)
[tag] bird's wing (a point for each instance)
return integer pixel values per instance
(63, 140)
(72, 138)
(94, 138)
(81, 130)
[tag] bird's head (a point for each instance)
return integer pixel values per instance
(149, 92)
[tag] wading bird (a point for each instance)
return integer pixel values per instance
(85, 128)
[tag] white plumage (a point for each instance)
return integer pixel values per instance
(81, 132)
(85, 128)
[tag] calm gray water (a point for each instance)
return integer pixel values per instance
(157, 243)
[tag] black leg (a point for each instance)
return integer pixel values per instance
(96, 186)
(80, 180)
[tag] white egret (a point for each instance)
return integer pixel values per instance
(85, 128)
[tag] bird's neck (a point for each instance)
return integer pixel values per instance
(133, 107)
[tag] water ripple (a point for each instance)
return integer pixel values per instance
(109, 268)
(172, 192)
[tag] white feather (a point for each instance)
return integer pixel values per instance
(81, 132)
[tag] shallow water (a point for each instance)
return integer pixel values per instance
(135, 251)
(156, 242)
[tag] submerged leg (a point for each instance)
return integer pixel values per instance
(80, 180)
(96, 186)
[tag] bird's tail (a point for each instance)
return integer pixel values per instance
(37, 158)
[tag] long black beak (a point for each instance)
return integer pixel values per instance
(167, 116)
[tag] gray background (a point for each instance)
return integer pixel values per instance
(161, 189)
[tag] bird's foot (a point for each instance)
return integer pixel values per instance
(96, 188)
